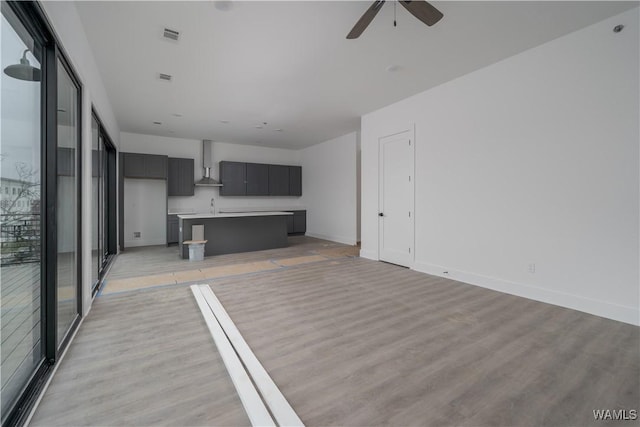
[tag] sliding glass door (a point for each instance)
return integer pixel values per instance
(68, 200)
(103, 201)
(96, 200)
(20, 219)
(40, 200)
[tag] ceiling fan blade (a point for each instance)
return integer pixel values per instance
(365, 19)
(423, 11)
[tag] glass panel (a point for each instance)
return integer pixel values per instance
(67, 203)
(103, 205)
(20, 189)
(95, 202)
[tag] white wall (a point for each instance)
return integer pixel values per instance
(65, 21)
(69, 29)
(329, 189)
(201, 201)
(145, 207)
(532, 160)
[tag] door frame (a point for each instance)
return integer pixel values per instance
(31, 15)
(410, 131)
(109, 227)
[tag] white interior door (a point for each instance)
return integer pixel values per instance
(396, 199)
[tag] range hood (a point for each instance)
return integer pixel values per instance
(207, 164)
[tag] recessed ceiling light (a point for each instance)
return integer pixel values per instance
(224, 121)
(618, 28)
(278, 130)
(223, 5)
(165, 77)
(393, 68)
(177, 115)
(157, 123)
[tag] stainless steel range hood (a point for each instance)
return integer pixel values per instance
(207, 164)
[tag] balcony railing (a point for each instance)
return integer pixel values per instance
(19, 238)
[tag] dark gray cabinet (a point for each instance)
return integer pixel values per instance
(155, 166)
(297, 223)
(278, 180)
(295, 180)
(233, 177)
(133, 165)
(180, 179)
(257, 179)
(172, 229)
(150, 166)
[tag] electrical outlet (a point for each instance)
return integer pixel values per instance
(532, 268)
(137, 234)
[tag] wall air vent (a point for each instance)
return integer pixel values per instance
(165, 77)
(171, 34)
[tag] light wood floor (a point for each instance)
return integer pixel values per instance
(142, 359)
(130, 265)
(151, 260)
(349, 342)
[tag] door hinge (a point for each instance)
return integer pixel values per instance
(409, 178)
(409, 214)
(409, 250)
(409, 142)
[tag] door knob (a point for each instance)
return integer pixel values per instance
(380, 214)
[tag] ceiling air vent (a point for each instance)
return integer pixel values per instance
(171, 34)
(165, 77)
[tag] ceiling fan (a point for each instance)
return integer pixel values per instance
(418, 8)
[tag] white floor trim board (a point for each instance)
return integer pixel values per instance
(253, 404)
(280, 409)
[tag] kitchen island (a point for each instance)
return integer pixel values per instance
(228, 233)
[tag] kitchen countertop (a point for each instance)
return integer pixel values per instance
(249, 209)
(231, 214)
(181, 211)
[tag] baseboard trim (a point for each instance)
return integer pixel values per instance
(338, 239)
(612, 311)
(138, 243)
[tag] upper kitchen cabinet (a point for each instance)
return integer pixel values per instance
(180, 181)
(295, 180)
(156, 166)
(257, 179)
(233, 177)
(151, 166)
(278, 180)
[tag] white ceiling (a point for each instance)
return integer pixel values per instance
(289, 64)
